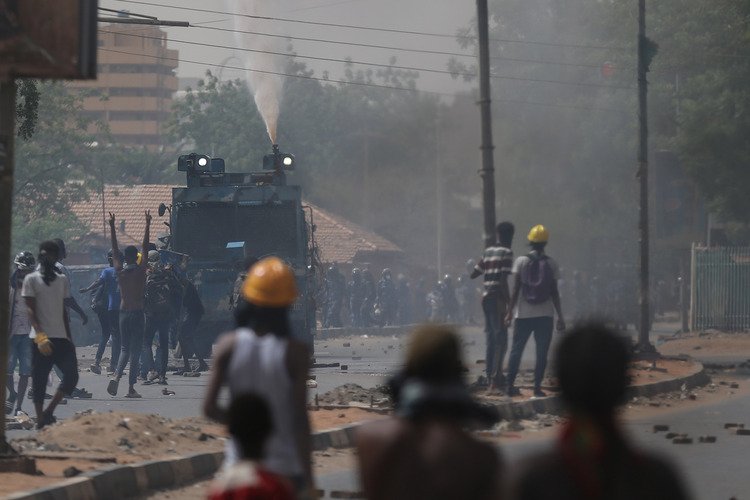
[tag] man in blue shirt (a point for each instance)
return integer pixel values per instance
(110, 319)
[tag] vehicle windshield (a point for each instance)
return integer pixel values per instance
(203, 230)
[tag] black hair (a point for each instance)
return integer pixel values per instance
(505, 231)
(539, 247)
(592, 368)
(130, 253)
(151, 246)
(61, 246)
(49, 253)
(271, 319)
(250, 424)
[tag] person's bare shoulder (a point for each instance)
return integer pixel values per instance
(224, 344)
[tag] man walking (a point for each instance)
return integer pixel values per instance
(110, 319)
(162, 289)
(45, 291)
(496, 265)
(536, 295)
(20, 343)
(131, 277)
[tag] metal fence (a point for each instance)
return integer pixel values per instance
(720, 291)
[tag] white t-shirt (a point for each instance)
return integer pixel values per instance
(49, 302)
(526, 310)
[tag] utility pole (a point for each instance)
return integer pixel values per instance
(487, 172)
(7, 135)
(438, 198)
(645, 53)
(367, 218)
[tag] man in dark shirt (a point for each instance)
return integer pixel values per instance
(131, 278)
(593, 458)
(192, 312)
(424, 451)
(496, 265)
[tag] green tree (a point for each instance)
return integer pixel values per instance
(220, 119)
(52, 155)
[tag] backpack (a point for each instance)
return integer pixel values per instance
(158, 295)
(537, 280)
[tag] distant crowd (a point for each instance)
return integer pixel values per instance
(363, 302)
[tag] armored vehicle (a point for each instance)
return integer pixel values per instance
(219, 218)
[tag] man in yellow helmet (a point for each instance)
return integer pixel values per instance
(261, 358)
(535, 300)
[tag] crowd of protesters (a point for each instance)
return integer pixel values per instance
(425, 450)
(137, 300)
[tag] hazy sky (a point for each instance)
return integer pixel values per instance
(440, 16)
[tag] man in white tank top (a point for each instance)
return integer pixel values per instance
(261, 358)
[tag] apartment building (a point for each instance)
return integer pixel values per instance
(135, 85)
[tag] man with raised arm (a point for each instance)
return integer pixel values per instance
(131, 278)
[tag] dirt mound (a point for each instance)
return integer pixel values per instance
(356, 395)
(125, 435)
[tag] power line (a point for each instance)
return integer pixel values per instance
(277, 73)
(372, 28)
(381, 65)
(361, 84)
(321, 6)
(401, 49)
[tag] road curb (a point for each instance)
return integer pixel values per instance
(127, 481)
(343, 437)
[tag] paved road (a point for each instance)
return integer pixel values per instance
(378, 357)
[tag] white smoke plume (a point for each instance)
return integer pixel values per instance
(267, 88)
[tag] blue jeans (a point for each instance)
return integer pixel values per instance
(497, 337)
(110, 322)
(155, 325)
(131, 332)
(542, 328)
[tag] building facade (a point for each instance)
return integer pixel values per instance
(135, 85)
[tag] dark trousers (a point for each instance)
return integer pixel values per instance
(131, 332)
(497, 337)
(155, 325)
(188, 345)
(110, 321)
(64, 358)
(542, 328)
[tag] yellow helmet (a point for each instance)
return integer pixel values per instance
(270, 283)
(538, 234)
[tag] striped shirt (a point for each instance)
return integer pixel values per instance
(496, 264)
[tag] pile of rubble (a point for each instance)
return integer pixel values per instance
(123, 434)
(356, 395)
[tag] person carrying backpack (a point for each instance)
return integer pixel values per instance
(535, 300)
(159, 298)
